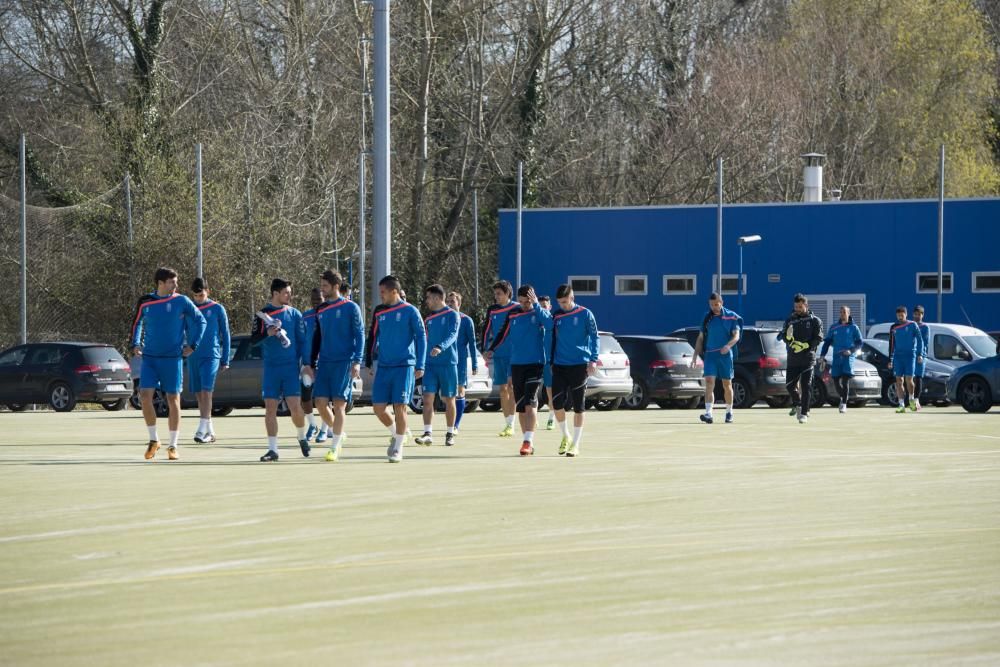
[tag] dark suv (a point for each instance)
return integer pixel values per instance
(64, 374)
(662, 373)
(759, 372)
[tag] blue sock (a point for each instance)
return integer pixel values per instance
(459, 410)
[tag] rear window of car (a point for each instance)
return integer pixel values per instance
(674, 349)
(610, 345)
(101, 355)
(773, 346)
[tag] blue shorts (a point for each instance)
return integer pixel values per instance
(441, 380)
(547, 376)
(501, 370)
(201, 372)
(281, 382)
(842, 365)
(719, 365)
(165, 373)
(902, 366)
(393, 385)
(463, 371)
(918, 369)
(333, 381)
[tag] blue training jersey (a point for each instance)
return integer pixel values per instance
(399, 337)
(338, 333)
(905, 339)
(293, 326)
(842, 336)
(466, 343)
(524, 333)
(162, 324)
(717, 330)
(442, 332)
(925, 337)
(496, 317)
(573, 339)
(215, 342)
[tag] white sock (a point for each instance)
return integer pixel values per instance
(577, 435)
(728, 407)
(451, 429)
(174, 437)
(509, 420)
(399, 439)
(301, 432)
(152, 433)
(334, 441)
(529, 436)
(392, 429)
(708, 408)
(564, 427)
(201, 425)
(209, 427)
(311, 419)
(428, 428)
(272, 443)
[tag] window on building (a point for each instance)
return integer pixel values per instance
(585, 285)
(986, 281)
(729, 282)
(927, 283)
(677, 285)
(630, 285)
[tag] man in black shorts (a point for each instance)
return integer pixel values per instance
(574, 349)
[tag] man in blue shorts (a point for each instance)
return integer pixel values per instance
(400, 346)
(720, 331)
(441, 375)
(919, 369)
(164, 320)
(845, 337)
(574, 344)
(337, 348)
(309, 324)
(211, 356)
(496, 318)
(906, 350)
(466, 350)
(545, 303)
(284, 353)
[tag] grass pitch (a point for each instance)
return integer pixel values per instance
(866, 538)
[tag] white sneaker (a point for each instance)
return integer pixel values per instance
(395, 454)
(426, 439)
(803, 418)
(843, 408)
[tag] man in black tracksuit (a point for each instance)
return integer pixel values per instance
(802, 334)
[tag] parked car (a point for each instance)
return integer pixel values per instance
(64, 374)
(865, 385)
(936, 374)
(976, 386)
(995, 335)
(952, 344)
(480, 386)
(662, 373)
(606, 389)
(237, 387)
(759, 371)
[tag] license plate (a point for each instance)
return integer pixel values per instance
(872, 384)
(115, 387)
(687, 385)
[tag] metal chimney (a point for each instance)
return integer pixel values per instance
(812, 177)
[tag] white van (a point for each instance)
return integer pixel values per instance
(952, 344)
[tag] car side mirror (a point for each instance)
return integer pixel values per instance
(964, 355)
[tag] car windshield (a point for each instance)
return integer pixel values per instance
(674, 349)
(880, 346)
(983, 346)
(610, 345)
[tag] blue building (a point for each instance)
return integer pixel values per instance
(648, 270)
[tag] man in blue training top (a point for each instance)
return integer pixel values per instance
(574, 348)
(918, 370)
(338, 346)
(441, 375)
(211, 356)
(720, 331)
(845, 337)
(496, 317)
(285, 356)
(906, 350)
(466, 351)
(401, 346)
(164, 319)
(309, 325)
(546, 304)
(524, 332)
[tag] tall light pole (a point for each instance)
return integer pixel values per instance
(381, 218)
(740, 280)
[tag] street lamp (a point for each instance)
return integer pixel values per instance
(740, 280)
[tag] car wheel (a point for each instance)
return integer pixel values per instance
(889, 395)
(817, 394)
(135, 400)
(974, 394)
(778, 401)
(160, 404)
(639, 398)
(283, 410)
(743, 397)
(417, 403)
(16, 407)
(61, 397)
(349, 406)
(115, 406)
(470, 406)
(490, 405)
(692, 403)
(607, 405)
(222, 411)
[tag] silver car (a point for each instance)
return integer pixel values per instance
(866, 385)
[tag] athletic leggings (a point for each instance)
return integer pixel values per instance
(798, 380)
(843, 387)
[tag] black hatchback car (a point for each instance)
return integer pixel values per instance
(62, 375)
(759, 371)
(662, 372)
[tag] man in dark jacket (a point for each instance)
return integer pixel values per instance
(802, 334)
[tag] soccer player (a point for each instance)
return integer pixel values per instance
(283, 364)
(337, 350)
(575, 345)
(845, 337)
(720, 331)
(466, 350)
(496, 318)
(545, 303)
(906, 350)
(918, 370)
(309, 323)
(211, 356)
(441, 375)
(802, 333)
(524, 331)
(401, 346)
(164, 319)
